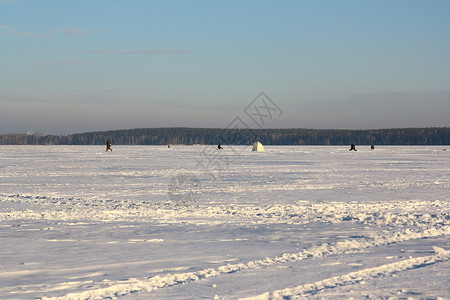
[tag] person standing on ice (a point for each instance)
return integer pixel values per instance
(352, 147)
(108, 145)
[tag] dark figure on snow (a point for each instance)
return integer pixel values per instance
(219, 147)
(108, 145)
(372, 147)
(352, 147)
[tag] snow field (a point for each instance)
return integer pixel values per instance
(79, 223)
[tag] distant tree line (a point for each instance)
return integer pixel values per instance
(214, 136)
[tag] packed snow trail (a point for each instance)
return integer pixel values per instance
(134, 285)
(354, 277)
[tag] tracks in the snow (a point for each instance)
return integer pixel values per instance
(120, 288)
(354, 277)
(412, 220)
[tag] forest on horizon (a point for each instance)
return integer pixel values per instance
(234, 136)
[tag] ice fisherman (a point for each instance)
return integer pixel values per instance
(108, 145)
(219, 147)
(372, 147)
(352, 147)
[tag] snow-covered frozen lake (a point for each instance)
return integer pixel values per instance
(193, 222)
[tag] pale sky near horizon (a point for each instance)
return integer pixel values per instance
(77, 66)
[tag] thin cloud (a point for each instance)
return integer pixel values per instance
(11, 30)
(73, 32)
(47, 36)
(379, 110)
(70, 62)
(40, 65)
(23, 33)
(102, 92)
(144, 52)
(63, 62)
(10, 27)
(15, 99)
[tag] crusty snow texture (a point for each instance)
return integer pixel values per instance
(191, 222)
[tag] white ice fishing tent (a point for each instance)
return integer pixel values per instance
(258, 147)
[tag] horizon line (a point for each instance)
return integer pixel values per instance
(221, 128)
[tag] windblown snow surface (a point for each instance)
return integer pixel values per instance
(192, 222)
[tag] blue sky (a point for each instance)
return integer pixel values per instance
(75, 66)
